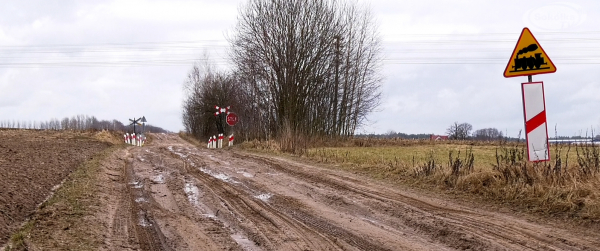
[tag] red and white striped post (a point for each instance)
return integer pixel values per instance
(231, 140)
(220, 110)
(536, 126)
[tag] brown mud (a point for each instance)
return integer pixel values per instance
(171, 195)
(204, 199)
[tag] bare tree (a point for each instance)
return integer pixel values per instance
(312, 65)
(459, 131)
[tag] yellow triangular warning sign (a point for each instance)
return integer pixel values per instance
(528, 58)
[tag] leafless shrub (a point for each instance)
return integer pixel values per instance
(511, 162)
(460, 166)
(427, 168)
(588, 159)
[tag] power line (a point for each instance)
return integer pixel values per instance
(484, 48)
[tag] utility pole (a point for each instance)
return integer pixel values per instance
(336, 83)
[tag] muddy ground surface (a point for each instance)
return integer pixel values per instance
(170, 195)
(32, 165)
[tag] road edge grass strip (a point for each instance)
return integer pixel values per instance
(61, 218)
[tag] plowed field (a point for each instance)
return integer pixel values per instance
(32, 165)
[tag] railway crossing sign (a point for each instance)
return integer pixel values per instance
(528, 58)
(221, 110)
(135, 122)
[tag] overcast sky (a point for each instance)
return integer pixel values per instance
(443, 60)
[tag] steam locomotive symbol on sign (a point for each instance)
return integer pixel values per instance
(530, 63)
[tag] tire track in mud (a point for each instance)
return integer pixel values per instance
(280, 212)
(266, 227)
(332, 231)
(147, 232)
(471, 229)
(175, 202)
(409, 214)
(294, 210)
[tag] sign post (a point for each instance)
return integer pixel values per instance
(528, 58)
(220, 111)
(143, 120)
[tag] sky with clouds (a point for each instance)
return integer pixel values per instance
(443, 61)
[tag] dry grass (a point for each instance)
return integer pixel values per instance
(190, 138)
(112, 137)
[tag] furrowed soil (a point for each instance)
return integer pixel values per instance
(171, 195)
(32, 165)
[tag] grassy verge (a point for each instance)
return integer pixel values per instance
(61, 223)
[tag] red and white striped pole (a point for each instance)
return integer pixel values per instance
(231, 140)
(536, 126)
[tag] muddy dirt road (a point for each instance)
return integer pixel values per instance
(170, 195)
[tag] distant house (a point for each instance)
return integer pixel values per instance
(438, 137)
